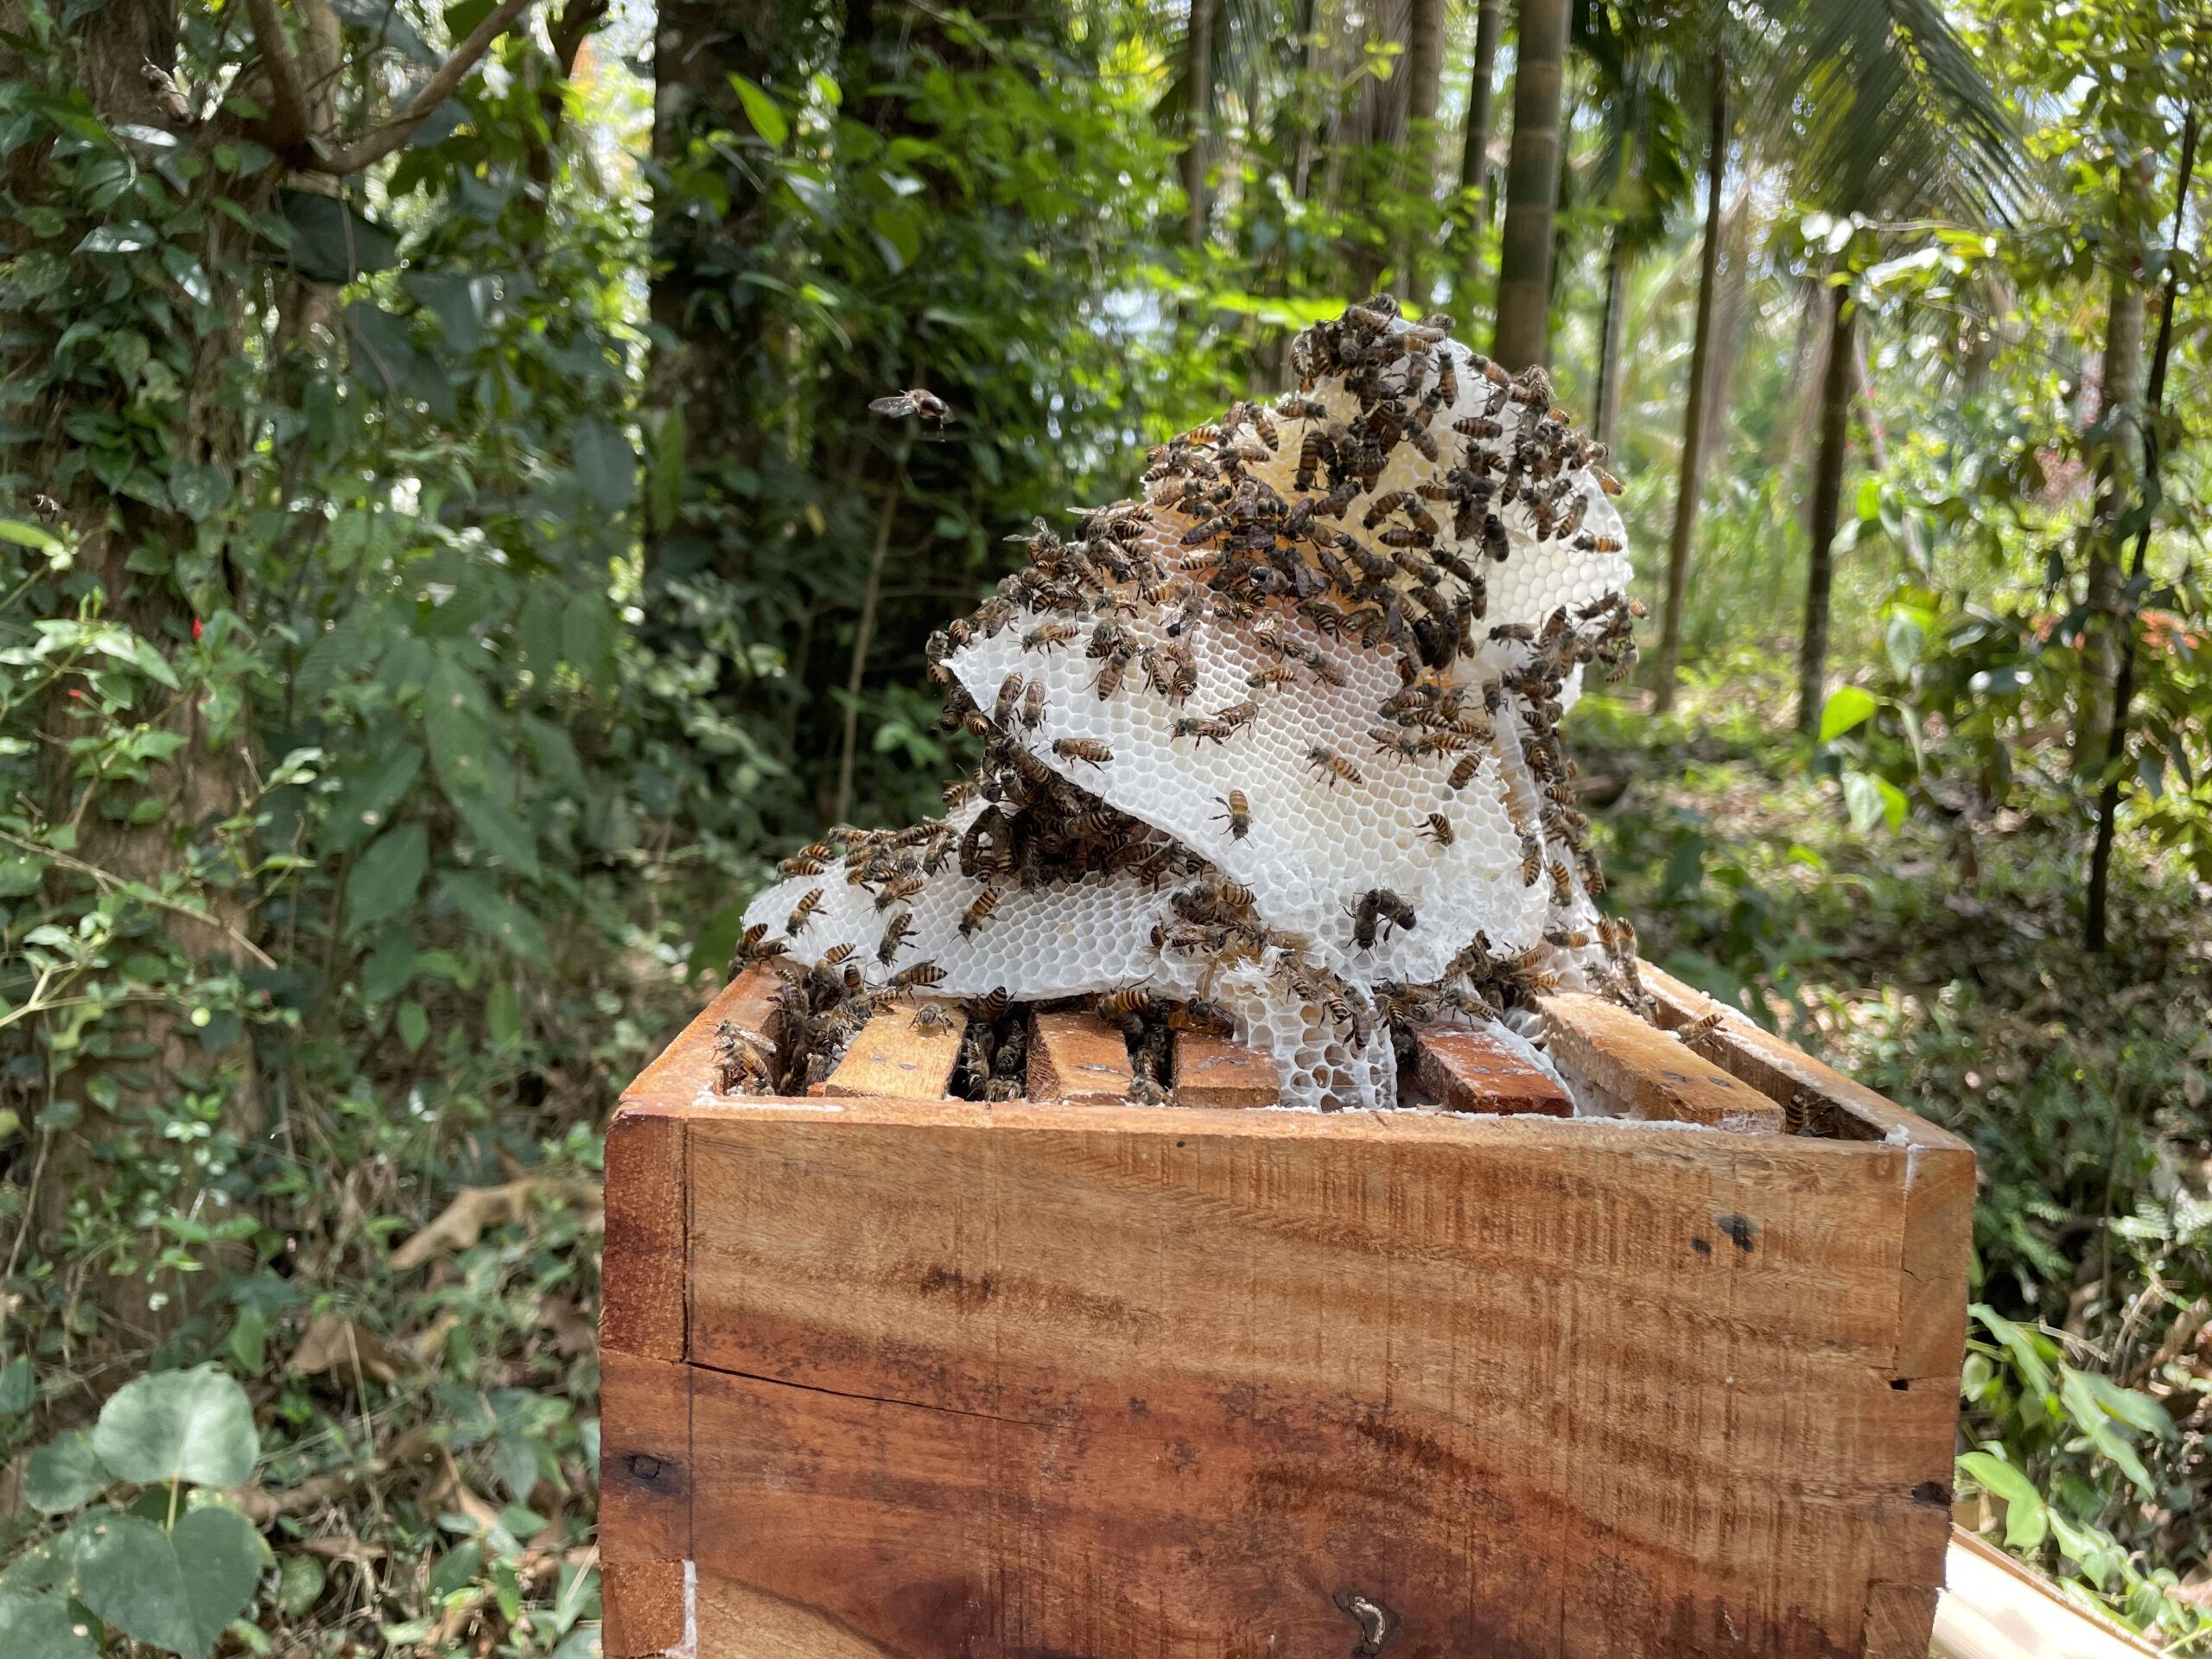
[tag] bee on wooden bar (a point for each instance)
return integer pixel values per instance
(1703, 1028)
(1118, 1008)
(809, 907)
(1237, 812)
(1332, 765)
(932, 1019)
(1088, 750)
(1200, 1015)
(740, 1066)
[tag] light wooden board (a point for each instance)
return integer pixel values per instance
(1212, 1070)
(893, 1056)
(1077, 1057)
(1609, 1054)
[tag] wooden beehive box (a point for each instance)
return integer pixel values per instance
(890, 1374)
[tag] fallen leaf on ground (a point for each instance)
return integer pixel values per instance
(460, 1224)
(335, 1343)
(574, 1333)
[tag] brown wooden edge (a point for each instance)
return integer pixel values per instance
(1473, 1072)
(891, 1055)
(641, 1608)
(1617, 1056)
(1076, 1055)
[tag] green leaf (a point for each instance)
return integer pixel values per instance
(195, 1426)
(1846, 708)
(501, 831)
(760, 110)
(44, 1627)
(606, 464)
(2024, 1519)
(18, 1388)
(63, 1474)
(134, 235)
(414, 1023)
(174, 1588)
(385, 879)
(1902, 639)
(390, 968)
(492, 914)
(1870, 800)
(365, 805)
(665, 480)
(30, 536)
(332, 242)
(300, 1579)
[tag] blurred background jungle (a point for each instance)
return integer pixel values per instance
(445, 558)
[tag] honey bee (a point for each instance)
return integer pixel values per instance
(1237, 715)
(1237, 811)
(1563, 884)
(1606, 481)
(809, 904)
(932, 1019)
(1032, 705)
(1087, 749)
(918, 401)
(978, 912)
(1324, 670)
(993, 1005)
(1703, 1028)
(1047, 636)
(755, 946)
(740, 1067)
(901, 928)
(1463, 773)
(899, 889)
(1438, 827)
(1009, 699)
(1273, 675)
(1330, 764)
(921, 977)
(1199, 1014)
(1589, 542)
(1542, 983)
(1378, 906)
(835, 955)
(1119, 1007)
(1532, 861)
(802, 864)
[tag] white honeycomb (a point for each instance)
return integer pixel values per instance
(1375, 693)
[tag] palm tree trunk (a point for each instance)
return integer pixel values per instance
(1424, 89)
(1532, 173)
(1199, 73)
(1608, 339)
(1691, 479)
(2123, 691)
(1474, 149)
(1827, 502)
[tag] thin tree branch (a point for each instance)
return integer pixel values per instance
(287, 127)
(379, 141)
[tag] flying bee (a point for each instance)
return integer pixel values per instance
(1009, 699)
(1047, 635)
(921, 977)
(809, 904)
(1087, 749)
(1032, 705)
(978, 912)
(1606, 481)
(1438, 827)
(895, 935)
(1236, 810)
(1330, 764)
(1566, 939)
(917, 401)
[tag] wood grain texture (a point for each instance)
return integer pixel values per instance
(1469, 1071)
(641, 1308)
(644, 1459)
(1641, 1071)
(641, 1608)
(1077, 1057)
(685, 1068)
(1212, 1070)
(892, 1056)
(1112, 1381)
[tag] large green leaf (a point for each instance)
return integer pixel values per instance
(44, 1627)
(195, 1426)
(490, 912)
(63, 1473)
(2024, 1520)
(333, 242)
(174, 1588)
(606, 464)
(386, 878)
(1847, 706)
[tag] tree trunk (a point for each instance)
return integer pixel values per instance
(2120, 460)
(1607, 413)
(1827, 501)
(1691, 479)
(1532, 178)
(1424, 89)
(1198, 72)
(1474, 149)
(2115, 745)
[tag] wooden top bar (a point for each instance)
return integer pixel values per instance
(1642, 1071)
(1212, 1070)
(899, 1054)
(1472, 1071)
(1077, 1056)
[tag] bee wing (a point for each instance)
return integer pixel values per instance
(898, 404)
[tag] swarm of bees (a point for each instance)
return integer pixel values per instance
(1372, 527)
